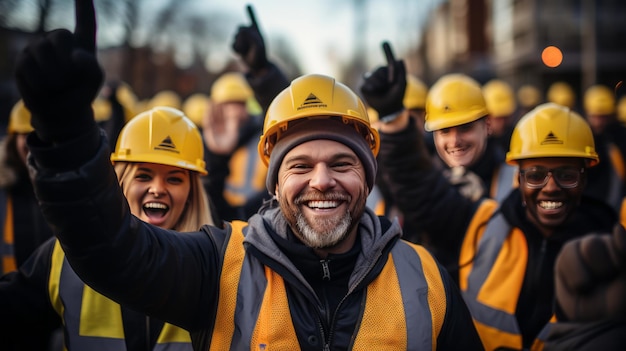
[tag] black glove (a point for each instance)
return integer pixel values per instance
(58, 77)
(383, 94)
(250, 46)
(590, 282)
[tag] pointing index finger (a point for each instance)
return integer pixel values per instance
(252, 17)
(391, 61)
(85, 30)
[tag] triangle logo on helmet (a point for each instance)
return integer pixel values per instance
(312, 101)
(167, 145)
(551, 139)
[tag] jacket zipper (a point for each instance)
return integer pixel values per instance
(331, 327)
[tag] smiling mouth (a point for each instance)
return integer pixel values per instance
(155, 209)
(458, 151)
(550, 205)
(322, 204)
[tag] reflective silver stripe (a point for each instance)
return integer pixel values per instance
(6, 249)
(505, 181)
(545, 331)
(252, 286)
(614, 197)
(414, 290)
(71, 294)
(374, 198)
(173, 346)
(489, 247)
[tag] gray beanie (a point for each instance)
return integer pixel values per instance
(328, 129)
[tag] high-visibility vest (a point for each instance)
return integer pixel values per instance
(246, 290)
(616, 181)
(247, 175)
(491, 294)
(7, 252)
(92, 321)
(504, 180)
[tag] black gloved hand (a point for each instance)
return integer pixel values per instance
(590, 282)
(58, 77)
(383, 94)
(249, 44)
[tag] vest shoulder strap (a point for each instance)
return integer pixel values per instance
(229, 282)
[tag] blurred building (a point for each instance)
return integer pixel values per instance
(505, 38)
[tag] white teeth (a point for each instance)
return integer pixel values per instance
(323, 204)
(456, 151)
(550, 205)
(155, 205)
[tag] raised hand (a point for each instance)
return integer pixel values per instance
(58, 77)
(249, 44)
(591, 277)
(384, 88)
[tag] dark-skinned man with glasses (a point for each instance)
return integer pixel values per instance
(506, 251)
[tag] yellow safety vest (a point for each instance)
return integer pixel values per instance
(92, 321)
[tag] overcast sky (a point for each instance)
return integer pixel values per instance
(322, 31)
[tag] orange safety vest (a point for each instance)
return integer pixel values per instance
(493, 263)
(391, 294)
(247, 175)
(7, 253)
(503, 181)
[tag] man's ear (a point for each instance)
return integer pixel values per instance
(488, 124)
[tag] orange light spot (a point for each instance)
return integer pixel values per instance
(552, 56)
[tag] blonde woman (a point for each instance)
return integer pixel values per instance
(158, 161)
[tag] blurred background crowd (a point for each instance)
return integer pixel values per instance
(168, 51)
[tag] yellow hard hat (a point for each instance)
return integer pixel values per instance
(19, 121)
(453, 100)
(167, 98)
(528, 96)
(599, 100)
(561, 93)
(415, 93)
(101, 109)
(499, 98)
(621, 109)
(231, 86)
(195, 106)
(372, 114)
(552, 130)
(127, 99)
(315, 96)
(161, 135)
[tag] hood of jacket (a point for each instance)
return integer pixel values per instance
(373, 241)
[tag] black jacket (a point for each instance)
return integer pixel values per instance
(430, 203)
(175, 277)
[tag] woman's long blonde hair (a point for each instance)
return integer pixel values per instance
(197, 211)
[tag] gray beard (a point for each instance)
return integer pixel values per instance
(331, 236)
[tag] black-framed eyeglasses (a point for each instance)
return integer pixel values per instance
(565, 177)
